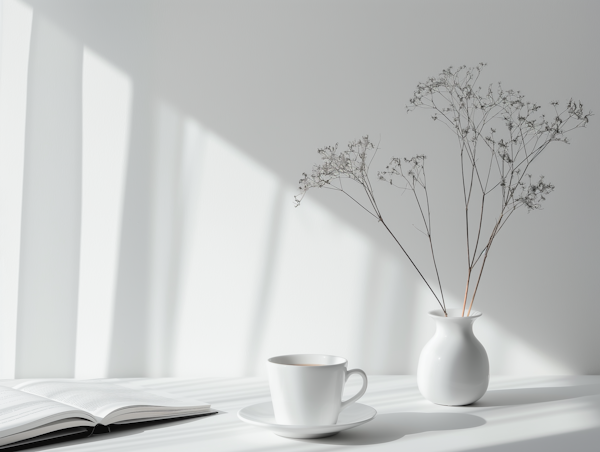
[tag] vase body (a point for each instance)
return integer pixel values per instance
(453, 367)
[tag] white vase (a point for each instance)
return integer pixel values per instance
(453, 366)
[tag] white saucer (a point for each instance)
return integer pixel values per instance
(262, 415)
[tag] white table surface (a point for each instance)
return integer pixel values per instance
(517, 414)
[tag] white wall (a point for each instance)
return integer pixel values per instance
(199, 117)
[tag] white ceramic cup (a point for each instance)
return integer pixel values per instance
(307, 389)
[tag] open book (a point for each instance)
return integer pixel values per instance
(41, 410)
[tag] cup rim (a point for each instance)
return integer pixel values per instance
(307, 358)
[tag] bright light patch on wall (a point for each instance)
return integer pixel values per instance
(230, 202)
(259, 277)
(321, 286)
(511, 355)
(15, 33)
(172, 136)
(107, 94)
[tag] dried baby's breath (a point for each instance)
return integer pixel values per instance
(500, 135)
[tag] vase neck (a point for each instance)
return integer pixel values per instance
(454, 323)
(462, 326)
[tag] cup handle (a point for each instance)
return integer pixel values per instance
(362, 390)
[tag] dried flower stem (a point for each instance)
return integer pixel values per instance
(469, 112)
(351, 164)
(414, 179)
(493, 164)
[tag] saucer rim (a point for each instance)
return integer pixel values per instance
(304, 426)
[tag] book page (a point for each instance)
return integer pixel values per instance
(22, 412)
(108, 399)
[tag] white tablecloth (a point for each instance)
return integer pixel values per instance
(517, 414)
